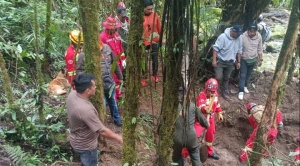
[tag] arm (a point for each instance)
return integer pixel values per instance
(201, 118)
(117, 70)
(107, 133)
(214, 59)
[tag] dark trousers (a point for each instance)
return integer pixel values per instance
(154, 55)
(245, 73)
(223, 71)
(193, 152)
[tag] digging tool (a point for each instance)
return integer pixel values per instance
(202, 148)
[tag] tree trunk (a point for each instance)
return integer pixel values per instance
(133, 79)
(88, 11)
(46, 65)
(40, 80)
(174, 12)
(292, 66)
(278, 87)
(6, 82)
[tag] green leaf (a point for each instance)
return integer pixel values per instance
(13, 115)
(126, 164)
(133, 121)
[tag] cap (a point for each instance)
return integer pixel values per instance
(252, 26)
(237, 29)
(122, 12)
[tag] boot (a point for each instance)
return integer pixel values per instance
(214, 156)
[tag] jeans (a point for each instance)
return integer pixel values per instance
(113, 107)
(193, 152)
(223, 71)
(88, 157)
(245, 72)
(154, 55)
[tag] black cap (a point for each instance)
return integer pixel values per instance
(237, 29)
(122, 12)
(148, 3)
(252, 26)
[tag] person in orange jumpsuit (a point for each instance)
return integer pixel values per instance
(75, 48)
(152, 29)
(255, 113)
(209, 105)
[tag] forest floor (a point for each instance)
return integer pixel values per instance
(231, 134)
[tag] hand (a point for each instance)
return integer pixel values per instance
(214, 63)
(121, 81)
(119, 139)
(124, 64)
(238, 65)
(259, 62)
(207, 109)
(220, 117)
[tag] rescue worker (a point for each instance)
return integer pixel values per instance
(185, 135)
(111, 37)
(152, 29)
(209, 105)
(75, 48)
(255, 113)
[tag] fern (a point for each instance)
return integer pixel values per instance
(19, 157)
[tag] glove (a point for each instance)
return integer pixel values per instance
(124, 64)
(220, 116)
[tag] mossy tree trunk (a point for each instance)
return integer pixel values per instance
(88, 11)
(46, 64)
(172, 78)
(6, 82)
(277, 88)
(133, 79)
(40, 80)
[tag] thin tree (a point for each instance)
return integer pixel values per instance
(174, 12)
(46, 65)
(133, 79)
(40, 80)
(277, 88)
(88, 12)
(6, 82)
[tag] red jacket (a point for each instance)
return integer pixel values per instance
(70, 62)
(203, 101)
(254, 123)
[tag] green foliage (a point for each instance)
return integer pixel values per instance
(21, 158)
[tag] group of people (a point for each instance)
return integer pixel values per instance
(83, 117)
(230, 50)
(237, 49)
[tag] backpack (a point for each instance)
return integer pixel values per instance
(265, 32)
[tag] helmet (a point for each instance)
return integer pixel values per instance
(76, 37)
(211, 84)
(250, 106)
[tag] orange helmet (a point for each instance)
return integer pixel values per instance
(76, 37)
(212, 85)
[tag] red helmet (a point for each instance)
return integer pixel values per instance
(250, 106)
(211, 84)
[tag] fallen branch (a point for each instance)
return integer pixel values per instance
(277, 19)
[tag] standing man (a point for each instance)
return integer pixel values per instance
(252, 54)
(152, 29)
(226, 53)
(84, 121)
(111, 37)
(108, 81)
(123, 20)
(72, 53)
(185, 135)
